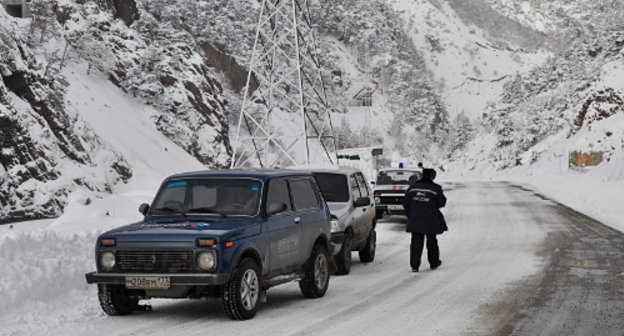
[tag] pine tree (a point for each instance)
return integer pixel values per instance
(43, 24)
(461, 132)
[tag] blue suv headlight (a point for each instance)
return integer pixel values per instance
(107, 261)
(207, 260)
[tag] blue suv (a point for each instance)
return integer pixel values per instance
(230, 234)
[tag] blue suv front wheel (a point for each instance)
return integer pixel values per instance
(115, 300)
(242, 293)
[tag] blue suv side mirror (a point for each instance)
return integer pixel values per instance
(275, 208)
(144, 208)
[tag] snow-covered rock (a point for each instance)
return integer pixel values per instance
(58, 133)
(162, 66)
(45, 151)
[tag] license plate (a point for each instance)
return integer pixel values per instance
(146, 282)
(395, 207)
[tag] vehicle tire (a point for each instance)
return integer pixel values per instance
(316, 273)
(115, 301)
(367, 254)
(241, 294)
(343, 258)
(379, 214)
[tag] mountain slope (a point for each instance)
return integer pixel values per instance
(573, 102)
(563, 20)
(76, 72)
(470, 61)
(46, 150)
(162, 67)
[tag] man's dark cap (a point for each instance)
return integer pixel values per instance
(429, 173)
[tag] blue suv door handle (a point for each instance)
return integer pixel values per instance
(297, 220)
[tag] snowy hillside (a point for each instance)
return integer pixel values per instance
(372, 51)
(468, 64)
(160, 66)
(95, 94)
(47, 150)
(550, 123)
(100, 100)
(564, 20)
(468, 86)
(363, 45)
(563, 97)
(183, 77)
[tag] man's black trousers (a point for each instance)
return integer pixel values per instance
(433, 251)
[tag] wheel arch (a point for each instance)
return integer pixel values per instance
(349, 231)
(324, 241)
(350, 234)
(248, 252)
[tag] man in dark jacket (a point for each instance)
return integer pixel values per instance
(422, 203)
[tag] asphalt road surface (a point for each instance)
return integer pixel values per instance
(514, 263)
(581, 289)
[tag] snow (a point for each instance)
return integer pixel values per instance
(125, 124)
(611, 75)
(595, 191)
(43, 262)
(43, 273)
(471, 71)
(377, 116)
(560, 17)
(591, 194)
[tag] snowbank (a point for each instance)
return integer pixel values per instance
(595, 191)
(42, 273)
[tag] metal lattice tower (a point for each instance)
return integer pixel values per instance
(285, 118)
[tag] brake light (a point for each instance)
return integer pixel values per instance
(377, 193)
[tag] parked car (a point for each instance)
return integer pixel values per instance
(390, 188)
(231, 234)
(353, 214)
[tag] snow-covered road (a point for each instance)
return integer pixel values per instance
(494, 256)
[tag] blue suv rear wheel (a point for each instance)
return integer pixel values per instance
(316, 274)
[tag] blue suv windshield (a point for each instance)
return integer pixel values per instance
(208, 196)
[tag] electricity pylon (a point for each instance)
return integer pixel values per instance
(285, 118)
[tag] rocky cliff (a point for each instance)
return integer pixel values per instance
(45, 152)
(48, 150)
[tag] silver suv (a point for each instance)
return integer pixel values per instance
(352, 214)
